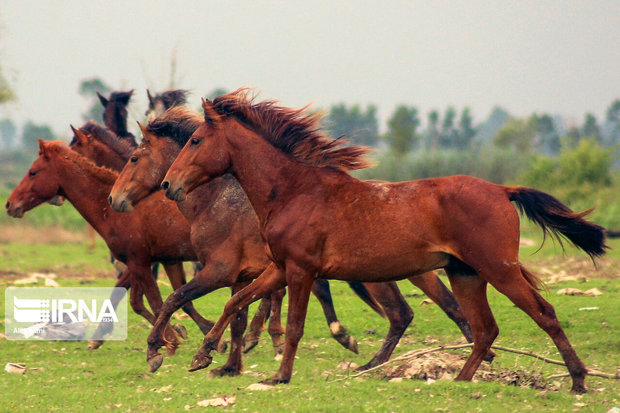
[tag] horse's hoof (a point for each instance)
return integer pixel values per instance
(578, 389)
(279, 349)
(272, 381)
(170, 351)
(94, 344)
(181, 330)
(490, 356)
(222, 346)
(155, 362)
(225, 371)
(200, 362)
(249, 345)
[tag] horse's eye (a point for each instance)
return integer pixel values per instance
(32, 173)
(134, 159)
(195, 141)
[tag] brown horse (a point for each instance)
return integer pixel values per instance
(143, 175)
(102, 154)
(163, 141)
(319, 221)
(164, 101)
(115, 114)
(134, 239)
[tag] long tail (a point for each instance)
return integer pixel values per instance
(359, 289)
(557, 219)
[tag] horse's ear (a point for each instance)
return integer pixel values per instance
(151, 103)
(42, 148)
(146, 135)
(80, 136)
(212, 117)
(103, 100)
(126, 96)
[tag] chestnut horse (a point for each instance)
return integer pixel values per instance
(109, 154)
(320, 222)
(134, 239)
(163, 140)
(115, 114)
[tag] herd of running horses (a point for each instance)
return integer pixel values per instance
(262, 198)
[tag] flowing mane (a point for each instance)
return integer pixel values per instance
(106, 175)
(294, 131)
(121, 146)
(178, 123)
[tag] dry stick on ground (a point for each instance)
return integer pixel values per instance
(414, 354)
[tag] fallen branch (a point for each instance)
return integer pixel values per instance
(417, 353)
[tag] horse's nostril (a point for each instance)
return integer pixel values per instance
(165, 185)
(7, 205)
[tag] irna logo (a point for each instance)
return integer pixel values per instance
(81, 313)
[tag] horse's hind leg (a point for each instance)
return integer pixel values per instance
(257, 325)
(524, 296)
(320, 289)
(234, 364)
(471, 293)
(176, 275)
(397, 312)
(275, 329)
(104, 328)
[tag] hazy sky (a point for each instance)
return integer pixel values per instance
(561, 57)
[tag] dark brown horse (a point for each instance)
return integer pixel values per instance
(134, 239)
(319, 221)
(143, 175)
(115, 114)
(164, 101)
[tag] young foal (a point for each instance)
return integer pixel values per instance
(319, 221)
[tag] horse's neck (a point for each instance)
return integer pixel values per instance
(110, 159)
(86, 192)
(274, 182)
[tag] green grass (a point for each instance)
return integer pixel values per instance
(68, 377)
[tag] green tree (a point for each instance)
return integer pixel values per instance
(547, 139)
(590, 128)
(432, 131)
(517, 134)
(8, 131)
(613, 117)
(358, 124)
(32, 132)
(448, 133)
(401, 134)
(466, 131)
(6, 91)
(88, 89)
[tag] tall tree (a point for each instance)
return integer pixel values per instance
(88, 89)
(547, 139)
(359, 125)
(613, 118)
(466, 131)
(401, 134)
(32, 132)
(590, 128)
(8, 131)
(432, 131)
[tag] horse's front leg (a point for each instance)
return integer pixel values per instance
(270, 280)
(299, 286)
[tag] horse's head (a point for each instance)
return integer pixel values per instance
(158, 104)
(205, 156)
(41, 184)
(144, 172)
(115, 111)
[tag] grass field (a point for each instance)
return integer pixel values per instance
(65, 376)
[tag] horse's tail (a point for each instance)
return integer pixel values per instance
(361, 291)
(557, 219)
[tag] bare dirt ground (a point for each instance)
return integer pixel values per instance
(30, 235)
